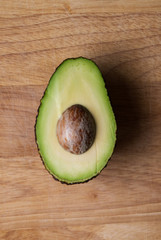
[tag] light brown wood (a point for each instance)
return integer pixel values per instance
(124, 39)
(13, 7)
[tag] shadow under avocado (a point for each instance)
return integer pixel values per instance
(124, 98)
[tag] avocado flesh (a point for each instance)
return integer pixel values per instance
(75, 81)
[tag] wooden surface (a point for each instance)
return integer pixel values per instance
(124, 39)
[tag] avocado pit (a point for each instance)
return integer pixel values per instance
(76, 129)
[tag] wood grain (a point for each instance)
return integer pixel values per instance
(124, 39)
(13, 7)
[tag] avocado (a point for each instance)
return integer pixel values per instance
(75, 126)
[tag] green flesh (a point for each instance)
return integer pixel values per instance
(76, 81)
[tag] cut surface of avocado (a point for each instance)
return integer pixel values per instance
(76, 82)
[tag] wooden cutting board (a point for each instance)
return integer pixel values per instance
(124, 39)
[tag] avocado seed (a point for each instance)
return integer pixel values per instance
(76, 129)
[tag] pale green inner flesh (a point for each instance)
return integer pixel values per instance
(76, 81)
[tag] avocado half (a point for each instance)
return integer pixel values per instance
(75, 81)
